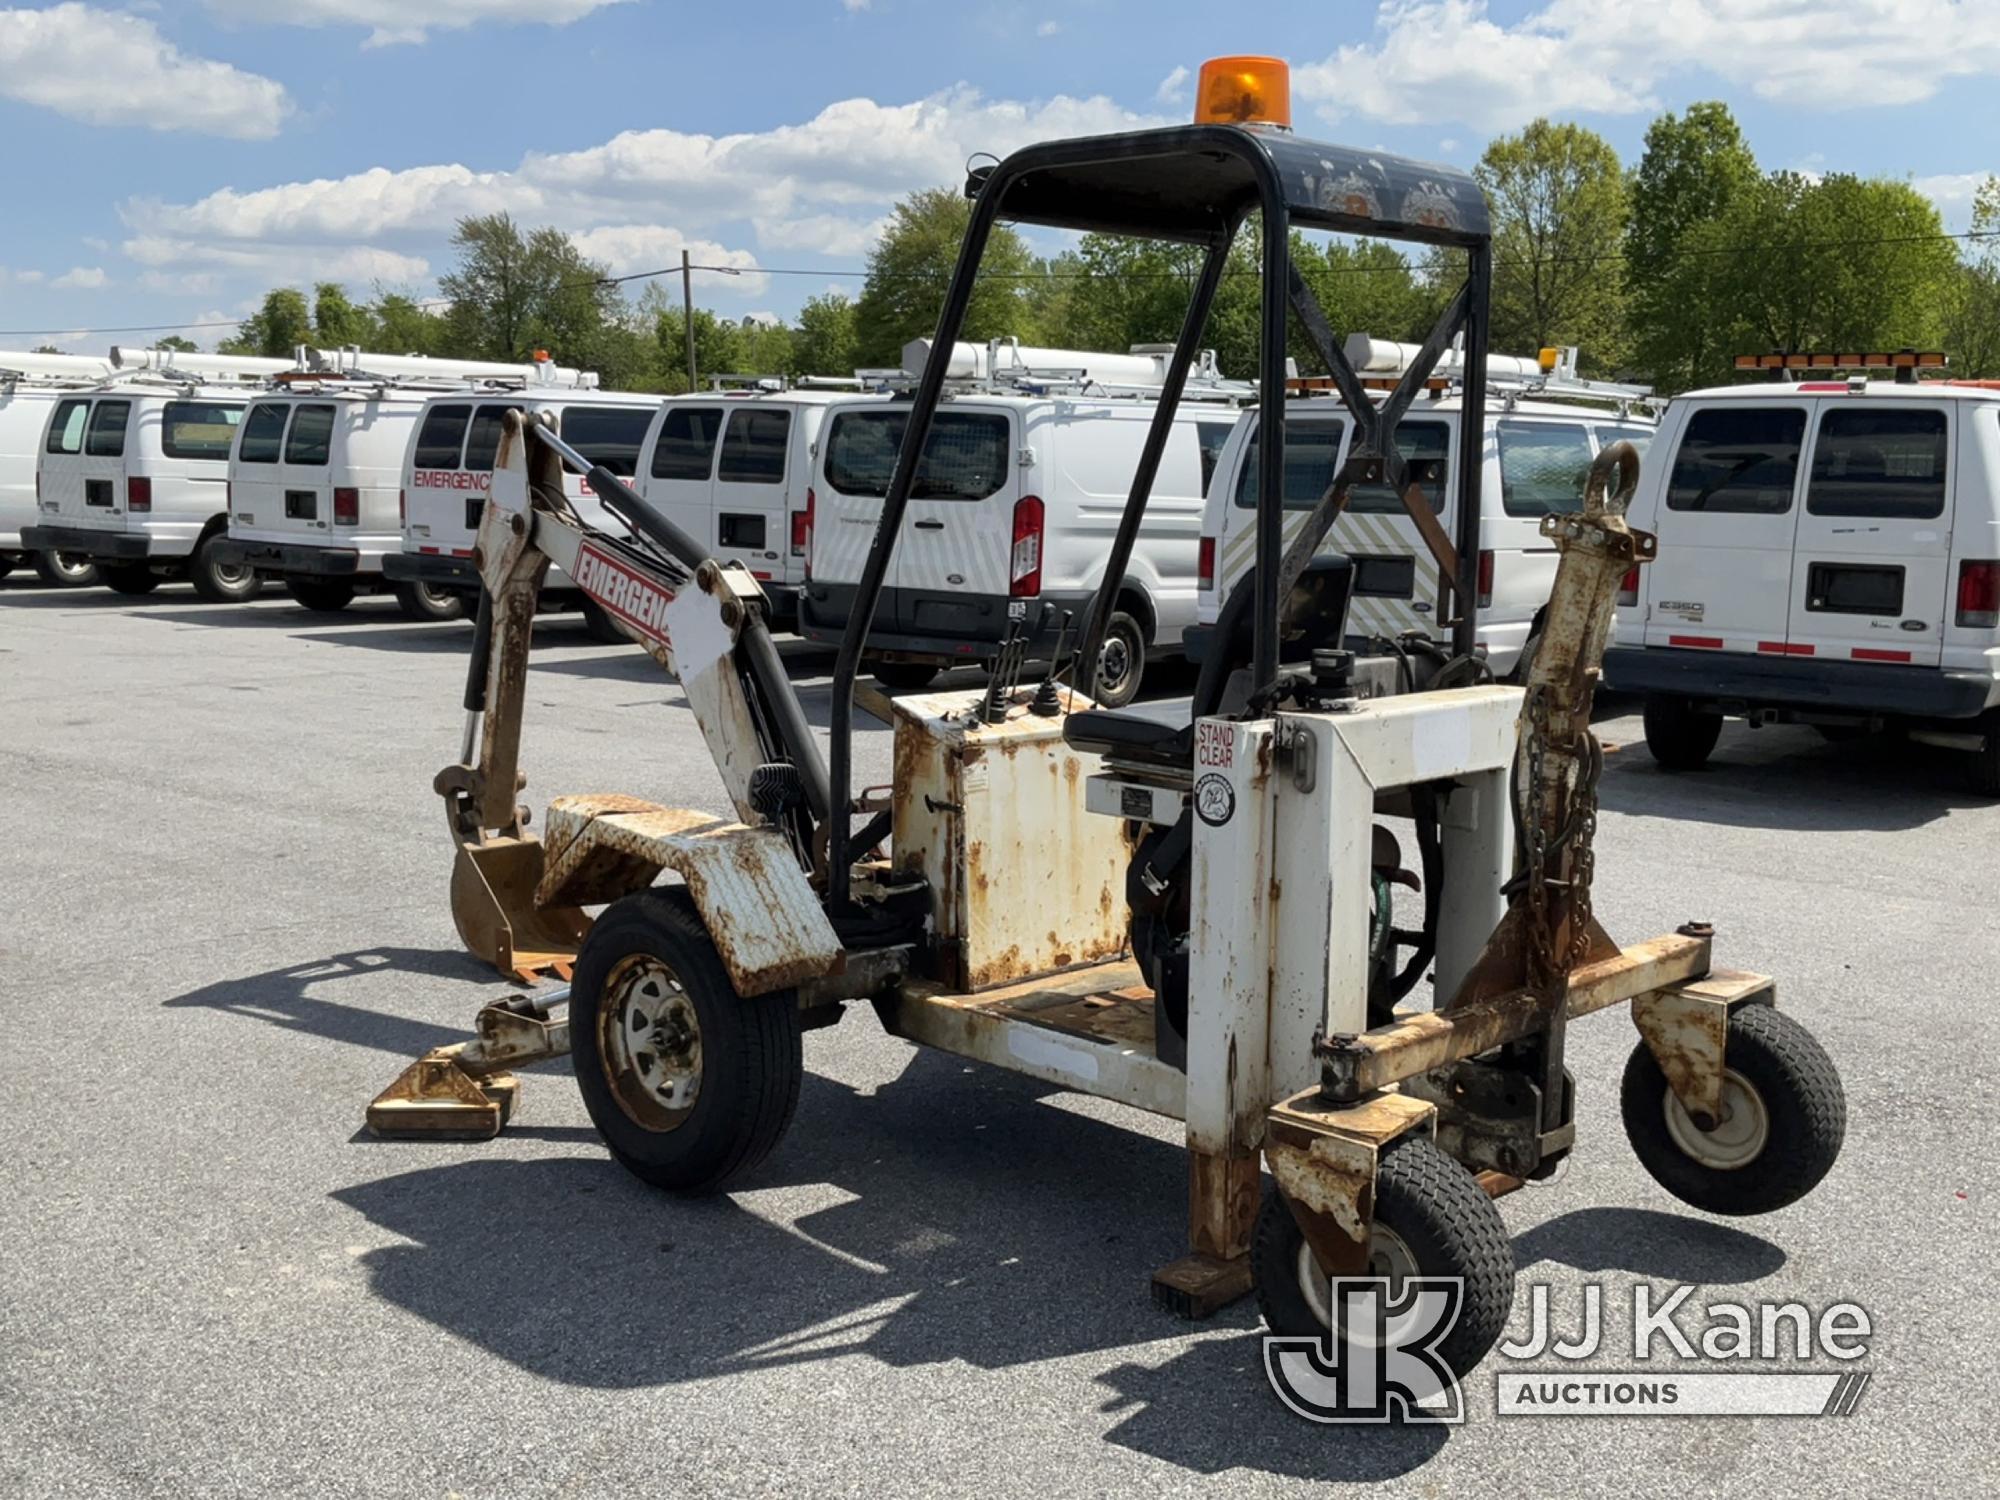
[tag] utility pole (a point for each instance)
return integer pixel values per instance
(687, 313)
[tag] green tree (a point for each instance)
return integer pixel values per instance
(176, 344)
(1972, 318)
(910, 268)
(276, 329)
(1559, 205)
(511, 294)
(824, 343)
(338, 321)
(403, 327)
(1695, 166)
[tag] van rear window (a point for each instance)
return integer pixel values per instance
(1738, 460)
(1426, 448)
(199, 429)
(1886, 462)
(753, 449)
(311, 439)
(106, 437)
(482, 439)
(1542, 467)
(686, 449)
(263, 432)
(1212, 436)
(1311, 449)
(66, 427)
(608, 435)
(965, 456)
(441, 437)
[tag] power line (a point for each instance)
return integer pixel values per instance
(1610, 254)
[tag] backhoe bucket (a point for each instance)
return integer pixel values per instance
(493, 902)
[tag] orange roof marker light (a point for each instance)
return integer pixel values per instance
(1244, 91)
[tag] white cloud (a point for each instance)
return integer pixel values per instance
(400, 22)
(851, 6)
(82, 278)
(111, 68)
(30, 278)
(1048, 28)
(1951, 189)
(623, 249)
(1172, 88)
(1438, 59)
(270, 264)
(821, 186)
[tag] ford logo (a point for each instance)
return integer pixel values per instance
(1914, 625)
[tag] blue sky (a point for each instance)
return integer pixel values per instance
(171, 161)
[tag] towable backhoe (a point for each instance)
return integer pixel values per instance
(1193, 920)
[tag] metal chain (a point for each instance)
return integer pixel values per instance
(1541, 945)
(1583, 863)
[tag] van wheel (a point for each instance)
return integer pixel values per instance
(129, 578)
(1983, 765)
(1121, 666)
(219, 582)
(1679, 737)
(323, 595)
(905, 676)
(67, 570)
(600, 627)
(426, 601)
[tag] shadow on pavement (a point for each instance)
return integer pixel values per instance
(1788, 777)
(1643, 1242)
(279, 997)
(960, 1220)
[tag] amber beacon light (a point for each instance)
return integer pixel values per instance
(1244, 91)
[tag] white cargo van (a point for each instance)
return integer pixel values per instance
(1024, 479)
(316, 475)
(133, 474)
(1543, 427)
(29, 386)
(734, 469)
(448, 473)
(1829, 554)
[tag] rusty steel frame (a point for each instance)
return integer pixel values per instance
(466, 1091)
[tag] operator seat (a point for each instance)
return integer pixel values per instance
(1312, 618)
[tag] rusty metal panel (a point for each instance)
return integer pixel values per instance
(759, 908)
(1323, 1158)
(978, 810)
(1686, 1027)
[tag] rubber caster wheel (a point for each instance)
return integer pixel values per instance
(321, 595)
(1431, 1219)
(135, 579)
(688, 1083)
(425, 602)
(1784, 1117)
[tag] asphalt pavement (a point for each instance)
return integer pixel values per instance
(223, 928)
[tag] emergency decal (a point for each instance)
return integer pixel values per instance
(451, 479)
(628, 595)
(1214, 799)
(1214, 744)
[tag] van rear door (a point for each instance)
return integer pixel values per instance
(749, 493)
(678, 478)
(303, 509)
(1723, 578)
(969, 535)
(88, 477)
(1874, 539)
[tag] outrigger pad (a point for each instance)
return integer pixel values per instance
(760, 909)
(435, 1099)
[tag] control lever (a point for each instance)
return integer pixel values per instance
(1048, 702)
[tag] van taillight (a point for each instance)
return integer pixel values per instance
(346, 507)
(1024, 570)
(1204, 566)
(138, 495)
(1628, 588)
(1486, 579)
(1979, 594)
(802, 527)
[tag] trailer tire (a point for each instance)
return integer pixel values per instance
(67, 570)
(320, 595)
(601, 627)
(1787, 1118)
(1679, 738)
(747, 1060)
(1443, 1225)
(217, 582)
(134, 579)
(905, 676)
(427, 601)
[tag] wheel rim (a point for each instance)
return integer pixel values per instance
(231, 575)
(1740, 1134)
(649, 1042)
(1389, 1256)
(1114, 664)
(435, 597)
(71, 565)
